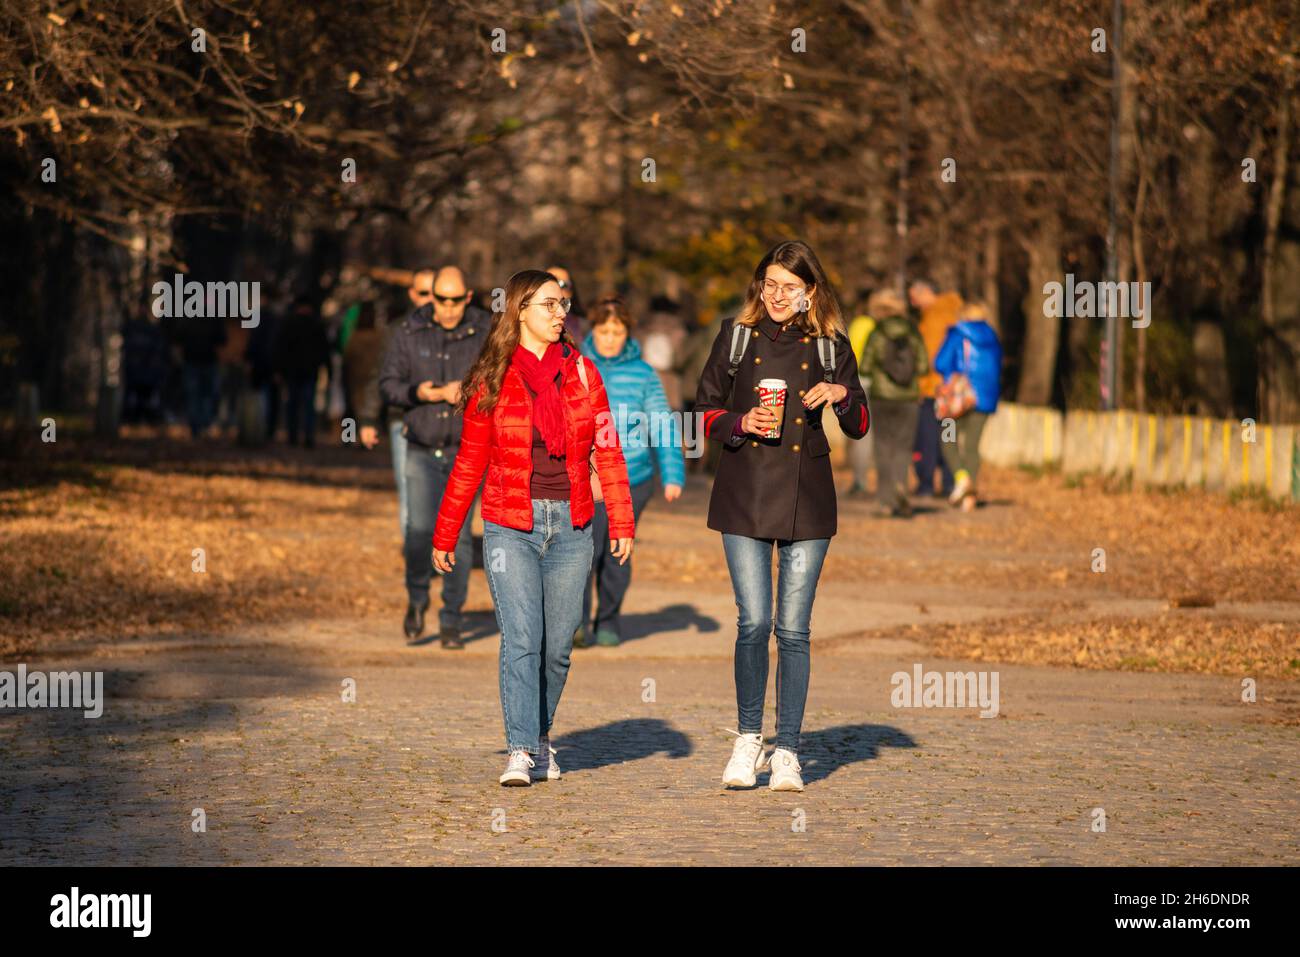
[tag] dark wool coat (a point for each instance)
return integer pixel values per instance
(776, 488)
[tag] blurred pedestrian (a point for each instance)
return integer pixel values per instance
(893, 362)
(302, 347)
(533, 408)
(777, 491)
(262, 377)
(200, 340)
(862, 453)
(427, 359)
(575, 323)
(375, 414)
(970, 360)
(232, 370)
(145, 364)
(662, 337)
(938, 313)
(695, 355)
(644, 421)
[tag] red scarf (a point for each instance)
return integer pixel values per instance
(548, 411)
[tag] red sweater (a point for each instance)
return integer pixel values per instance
(500, 442)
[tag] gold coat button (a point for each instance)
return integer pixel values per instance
(803, 365)
(794, 448)
(754, 444)
(804, 339)
(798, 421)
(801, 391)
(755, 336)
(758, 359)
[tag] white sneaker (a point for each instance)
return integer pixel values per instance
(960, 488)
(746, 761)
(547, 769)
(785, 771)
(517, 776)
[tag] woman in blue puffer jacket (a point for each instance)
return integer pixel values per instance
(648, 431)
(972, 349)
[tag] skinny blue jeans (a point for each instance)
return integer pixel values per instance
(750, 562)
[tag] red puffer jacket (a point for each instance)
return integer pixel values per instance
(501, 441)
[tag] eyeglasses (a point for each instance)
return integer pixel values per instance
(791, 291)
(452, 300)
(556, 307)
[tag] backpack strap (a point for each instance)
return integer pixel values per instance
(582, 372)
(739, 341)
(826, 352)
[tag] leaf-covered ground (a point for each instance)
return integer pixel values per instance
(99, 544)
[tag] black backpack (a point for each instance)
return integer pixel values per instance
(740, 339)
(899, 362)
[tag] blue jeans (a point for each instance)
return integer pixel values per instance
(427, 471)
(536, 579)
(398, 445)
(750, 562)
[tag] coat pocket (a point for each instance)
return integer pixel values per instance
(816, 443)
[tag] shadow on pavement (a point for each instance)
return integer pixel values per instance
(826, 750)
(669, 618)
(619, 741)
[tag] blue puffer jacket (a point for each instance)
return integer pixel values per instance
(981, 360)
(641, 414)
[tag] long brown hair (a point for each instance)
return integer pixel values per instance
(823, 316)
(489, 369)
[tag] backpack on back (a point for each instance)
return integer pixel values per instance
(899, 361)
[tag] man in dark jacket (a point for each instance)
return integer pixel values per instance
(427, 358)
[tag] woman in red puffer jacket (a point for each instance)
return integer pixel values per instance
(537, 421)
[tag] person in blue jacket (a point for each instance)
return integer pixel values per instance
(648, 432)
(971, 348)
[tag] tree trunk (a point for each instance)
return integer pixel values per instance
(1042, 332)
(1213, 390)
(1279, 366)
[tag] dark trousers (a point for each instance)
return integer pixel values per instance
(200, 380)
(610, 579)
(893, 422)
(929, 452)
(427, 471)
(300, 410)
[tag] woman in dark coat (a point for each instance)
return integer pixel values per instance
(777, 490)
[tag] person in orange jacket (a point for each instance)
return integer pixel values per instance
(938, 314)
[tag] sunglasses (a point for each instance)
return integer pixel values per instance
(452, 300)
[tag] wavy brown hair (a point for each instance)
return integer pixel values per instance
(823, 316)
(489, 369)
